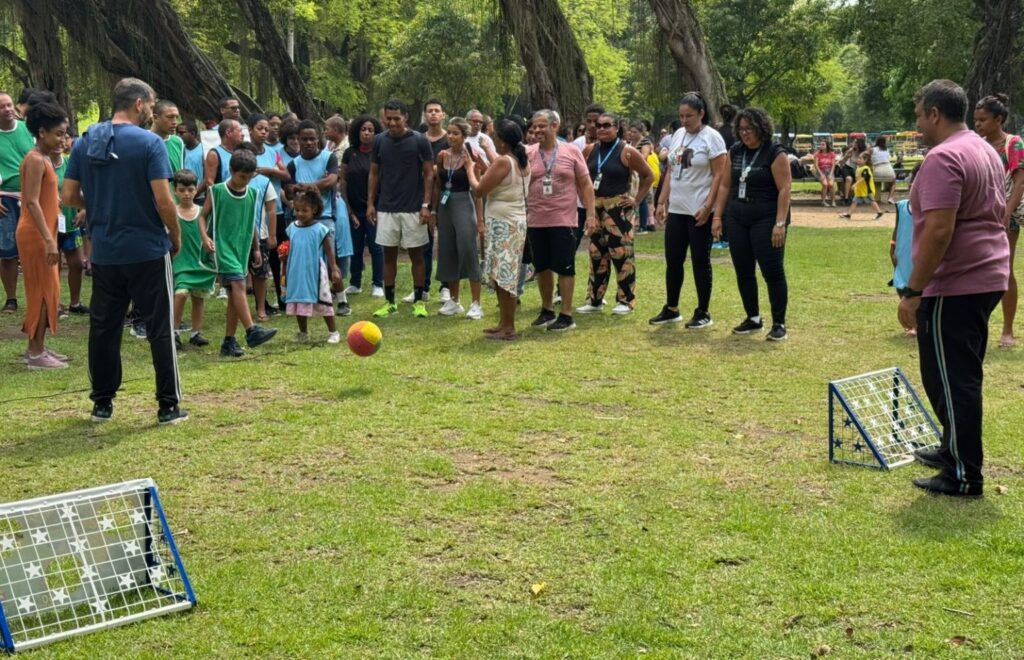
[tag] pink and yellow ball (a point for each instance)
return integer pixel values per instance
(364, 338)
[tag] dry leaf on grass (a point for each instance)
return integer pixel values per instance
(538, 588)
(960, 640)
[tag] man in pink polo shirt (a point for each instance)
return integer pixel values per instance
(558, 174)
(961, 269)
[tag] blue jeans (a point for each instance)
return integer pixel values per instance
(363, 237)
(8, 227)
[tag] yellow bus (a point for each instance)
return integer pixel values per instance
(803, 144)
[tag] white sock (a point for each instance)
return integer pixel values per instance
(755, 319)
(342, 297)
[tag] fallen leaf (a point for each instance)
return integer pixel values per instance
(849, 632)
(960, 640)
(732, 561)
(824, 649)
(793, 620)
(538, 588)
(1002, 490)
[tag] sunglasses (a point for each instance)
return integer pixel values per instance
(605, 124)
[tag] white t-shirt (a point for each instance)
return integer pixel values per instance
(271, 196)
(481, 144)
(580, 142)
(879, 157)
(689, 159)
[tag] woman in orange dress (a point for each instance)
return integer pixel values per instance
(37, 233)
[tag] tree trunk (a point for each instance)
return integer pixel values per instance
(44, 53)
(556, 71)
(991, 69)
(290, 84)
(146, 39)
(685, 39)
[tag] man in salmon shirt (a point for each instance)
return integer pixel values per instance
(961, 269)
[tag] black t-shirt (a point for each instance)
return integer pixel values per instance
(400, 162)
(726, 132)
(357, 178)
(439, 145)
(760, 182)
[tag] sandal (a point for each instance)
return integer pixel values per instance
(502, 337)
(1007, 341)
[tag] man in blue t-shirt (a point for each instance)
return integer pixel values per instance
(118, 173)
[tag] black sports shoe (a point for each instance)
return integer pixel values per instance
(11, 305)
(230, 348)
(102, 411)
(930, 457)
(544, 319)
(177, 342)
(171, 415)
(78, 309)
(271, 310)
(256, 335)
(701, 319)
(748, 326)
(777, 333)
(199, 340)
(138, 329)
(344, 309)
(666, 316)
(562, 323)
(942, 484)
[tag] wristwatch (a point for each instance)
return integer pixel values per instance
(425, 206)
(907, 292)
(780, 225)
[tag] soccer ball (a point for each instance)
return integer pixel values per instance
(364, 338)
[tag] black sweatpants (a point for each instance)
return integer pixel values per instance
(681, 235)
(750, 244)
(952, 335)
(150, 287)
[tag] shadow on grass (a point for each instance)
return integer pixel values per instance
(938, 518)
(69, 438)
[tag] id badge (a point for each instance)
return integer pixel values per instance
(741, 192)
(678, 174)
(547, 187)
(444, 197)
(597, 180)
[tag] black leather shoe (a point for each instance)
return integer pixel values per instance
(930, 457)
(941, 484)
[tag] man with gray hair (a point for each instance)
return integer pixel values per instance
(558, 176)
(961, 270)
(118, 173)
(482, 144)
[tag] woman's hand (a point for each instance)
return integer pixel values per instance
(660, 214)
(716, 229)
(702, 216)
(52, 252)
(778, 236)
(627, 202)
(481, 226)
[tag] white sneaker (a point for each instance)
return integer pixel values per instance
(334, 338)
(588, 309)
(222, 294)
(557, 300)
(446, 295)
(350, 289)
(451, 308)
(475, 312)
(378, 292)
(622, 309)
(412, 296)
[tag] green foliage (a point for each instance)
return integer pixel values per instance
(601, 28)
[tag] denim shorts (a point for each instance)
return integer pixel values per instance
(232, 277)
(8, 227)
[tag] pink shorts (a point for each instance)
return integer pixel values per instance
(309, 309)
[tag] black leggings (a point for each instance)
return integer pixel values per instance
(682, 234)
(750, 243)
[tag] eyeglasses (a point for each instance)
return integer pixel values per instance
(746, 129)
(605, 124)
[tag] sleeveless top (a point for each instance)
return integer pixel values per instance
(193, 160)
(269, 159)
(615, 177)
(49, 196)
(311, 171)
(508, 199)
(459, 178)
(233, 227)
(225, 164)
(879, 157)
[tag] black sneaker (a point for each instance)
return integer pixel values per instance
(230, 348)
(256, 335)
(199, 340)
(138, 330)
(749, 325)
(544, 319)
(562, 323)
(701, 319)
(102, 412)
(930, 457)
(11, 305)
(172, 415)
(177, 342)
(79, 309)
(271, 310)
(942, 484)
(666, 316)
(777, 333)
(344, 309)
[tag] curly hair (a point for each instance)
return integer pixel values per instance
(44, 116)
(314, 201)
(759, 120)
(356, 126)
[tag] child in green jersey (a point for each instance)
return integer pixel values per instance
(228, 228)
(194, 273)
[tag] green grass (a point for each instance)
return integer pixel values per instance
(671, 488)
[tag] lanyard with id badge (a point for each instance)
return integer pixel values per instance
(602, 161)
(448, 184)
(741, 193)
(548, 188)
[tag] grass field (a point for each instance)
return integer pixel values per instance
(670, 488)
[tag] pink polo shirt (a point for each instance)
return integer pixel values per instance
(559, 208)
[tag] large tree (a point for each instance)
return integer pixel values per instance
(44, 54)
(557, 76)
(697, 71)
(995, 62)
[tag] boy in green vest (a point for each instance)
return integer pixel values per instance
(229, 233)
(193, 275)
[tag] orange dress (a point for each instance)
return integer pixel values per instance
(42, 281)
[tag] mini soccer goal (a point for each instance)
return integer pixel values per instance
(83, 561)
(877, 420)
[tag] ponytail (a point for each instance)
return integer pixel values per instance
(511, 134)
